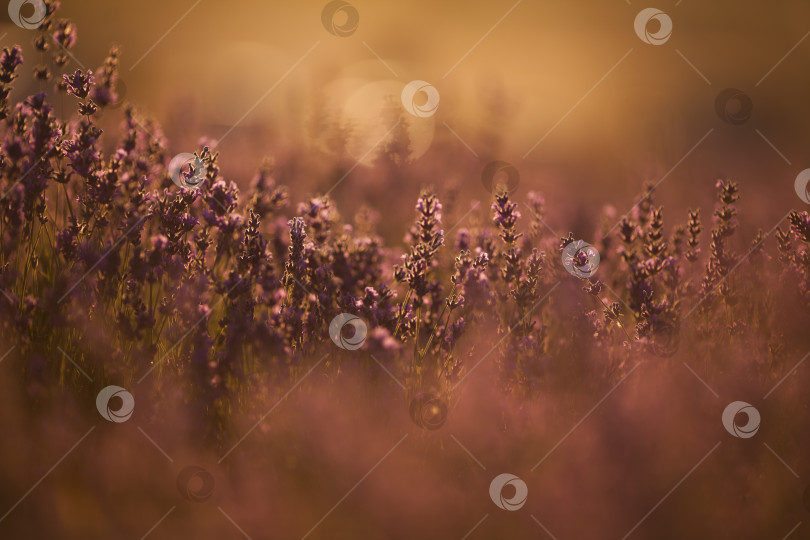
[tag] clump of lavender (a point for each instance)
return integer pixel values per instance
(796, 259)
(106, 92)
(267, 198)
(10, 60)
(505, 219)
(537, 227)
(103, 256)
(295, 281)
(721, 259)
(420, 315)
(693, 242)
(426, 238)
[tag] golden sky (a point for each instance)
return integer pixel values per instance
(561, 89)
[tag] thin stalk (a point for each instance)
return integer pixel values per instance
(438, 322)
(67, 200)
(28, 256)
(416, 338)
(444, 330)
(402, 311)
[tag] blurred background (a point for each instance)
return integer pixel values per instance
(608, 110)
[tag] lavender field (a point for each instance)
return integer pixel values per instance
(355, 304)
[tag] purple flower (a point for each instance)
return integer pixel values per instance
(65, 33)
(79, 83)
